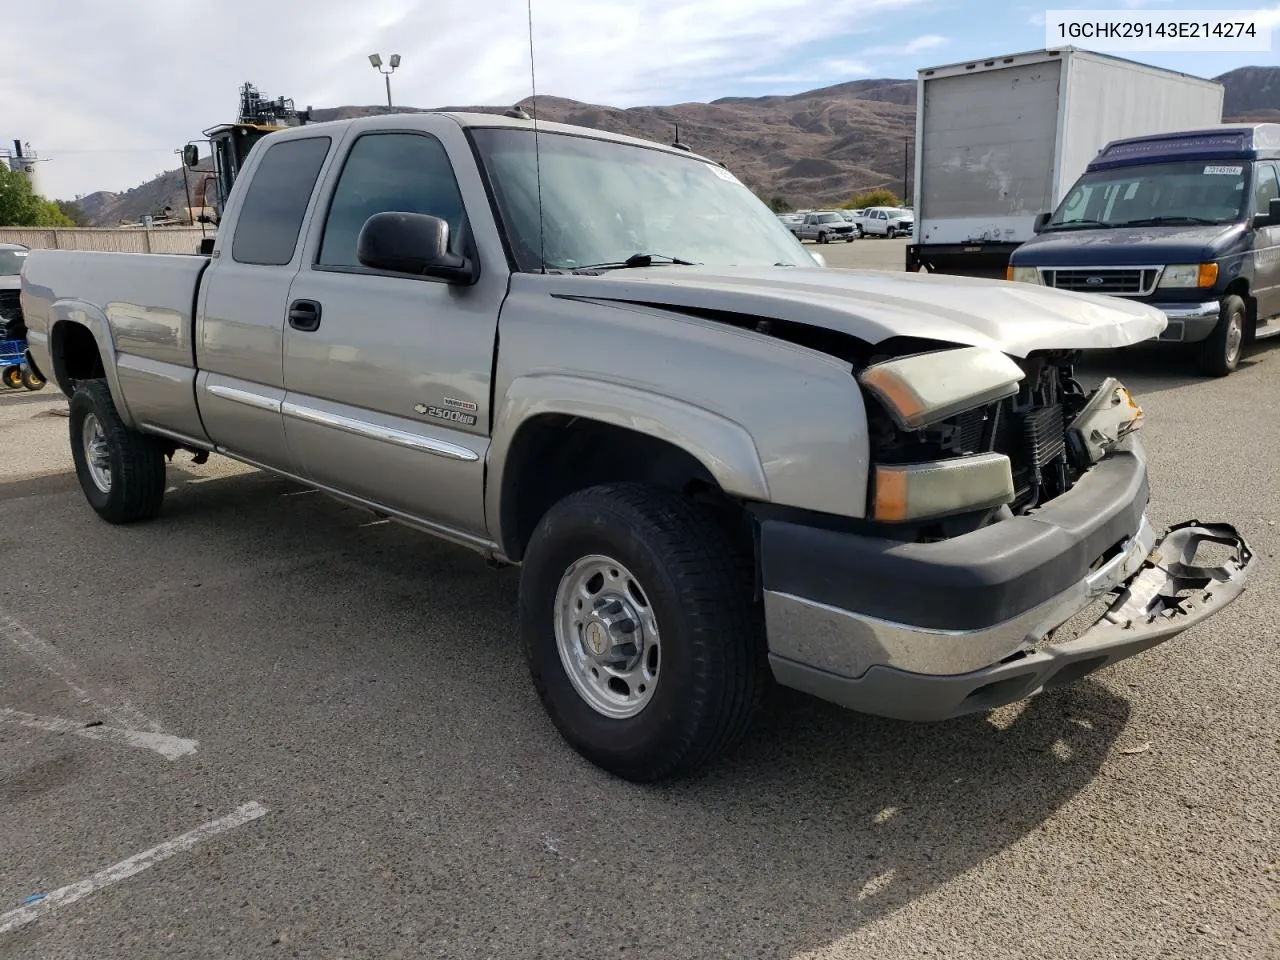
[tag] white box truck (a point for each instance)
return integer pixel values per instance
(1001, 140)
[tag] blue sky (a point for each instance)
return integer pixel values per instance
(108, 92)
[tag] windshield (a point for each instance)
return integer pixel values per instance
(1181, 192)
(11, 262)
(603, 202)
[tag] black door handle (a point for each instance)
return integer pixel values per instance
(304, 315)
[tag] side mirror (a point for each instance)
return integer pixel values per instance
(1271, 218)
(190, 155)
(412, 243)
(1042, 220)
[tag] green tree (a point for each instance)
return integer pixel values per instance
(873, 198)
(19, 207)
(73, 211)
(780, 205)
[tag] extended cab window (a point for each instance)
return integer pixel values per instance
(402, 172)
(279, 191)
(1266, 188)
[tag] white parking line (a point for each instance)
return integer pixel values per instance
(169, 747)
(121, 711)
(127, 868)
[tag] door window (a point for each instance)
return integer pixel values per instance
(271, 215)
(384, 172)
(1266, 188)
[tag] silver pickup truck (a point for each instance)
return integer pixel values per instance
(605, 361)
(825, 227)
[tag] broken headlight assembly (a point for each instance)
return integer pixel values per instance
(1110, 415)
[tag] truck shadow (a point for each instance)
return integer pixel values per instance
(819, 823)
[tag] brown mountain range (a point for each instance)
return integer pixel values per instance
(812, 148)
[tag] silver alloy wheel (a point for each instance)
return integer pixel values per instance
(1235, 336)
(97, 457)
(607, 636)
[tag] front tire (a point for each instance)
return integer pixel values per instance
(31, 381)
(12, 377)
(640, 628)
(1219, 355)
(121, 471)
(822, 238)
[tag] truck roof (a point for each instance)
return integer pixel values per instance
(491, 120)
(1228, 141)
(1040, 56)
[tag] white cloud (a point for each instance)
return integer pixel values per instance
(1270, 17)
(918, 45)
(110, 90)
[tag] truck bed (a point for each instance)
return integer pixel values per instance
(146, 320)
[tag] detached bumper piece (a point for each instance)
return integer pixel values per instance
(1166, 595)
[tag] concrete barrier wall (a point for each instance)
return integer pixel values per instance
(155, 240)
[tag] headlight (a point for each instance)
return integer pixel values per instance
(1189, 275)
(1110, 415)
(915, 491)
(928, 387)
(1022, 274)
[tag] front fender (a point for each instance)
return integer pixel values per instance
(724, 447)
(92, 318)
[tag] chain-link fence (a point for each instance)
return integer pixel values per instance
(112, 240)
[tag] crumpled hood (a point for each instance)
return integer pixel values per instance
(874, 306)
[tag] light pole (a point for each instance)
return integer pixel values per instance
(377, 65)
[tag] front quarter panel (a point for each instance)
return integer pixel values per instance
(772, 421)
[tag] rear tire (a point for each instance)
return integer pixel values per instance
(676, 591)
(1219, 355)
(121, 471)
(12, 377)
(31, 381)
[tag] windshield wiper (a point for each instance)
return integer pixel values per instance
(637, 260)
(1070, 224)
(1157, 221)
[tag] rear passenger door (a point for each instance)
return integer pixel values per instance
(241, 314)
(1266, 243)
(388, 394)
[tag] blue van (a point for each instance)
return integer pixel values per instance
(1188, 222)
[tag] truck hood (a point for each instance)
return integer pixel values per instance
(1129, 246)
(875, 306)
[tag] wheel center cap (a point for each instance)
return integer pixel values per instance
(597, 638)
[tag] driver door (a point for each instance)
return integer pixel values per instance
(387, 374)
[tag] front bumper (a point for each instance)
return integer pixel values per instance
(932, 631)
(1189, 322)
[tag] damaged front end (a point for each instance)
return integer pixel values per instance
(1167, 593)
(1035, 416)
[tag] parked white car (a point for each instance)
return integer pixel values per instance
(887, 222)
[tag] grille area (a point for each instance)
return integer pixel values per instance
(971, 429)
(10, 305)
(1129, 281)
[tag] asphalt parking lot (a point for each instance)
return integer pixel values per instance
(314, 737)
